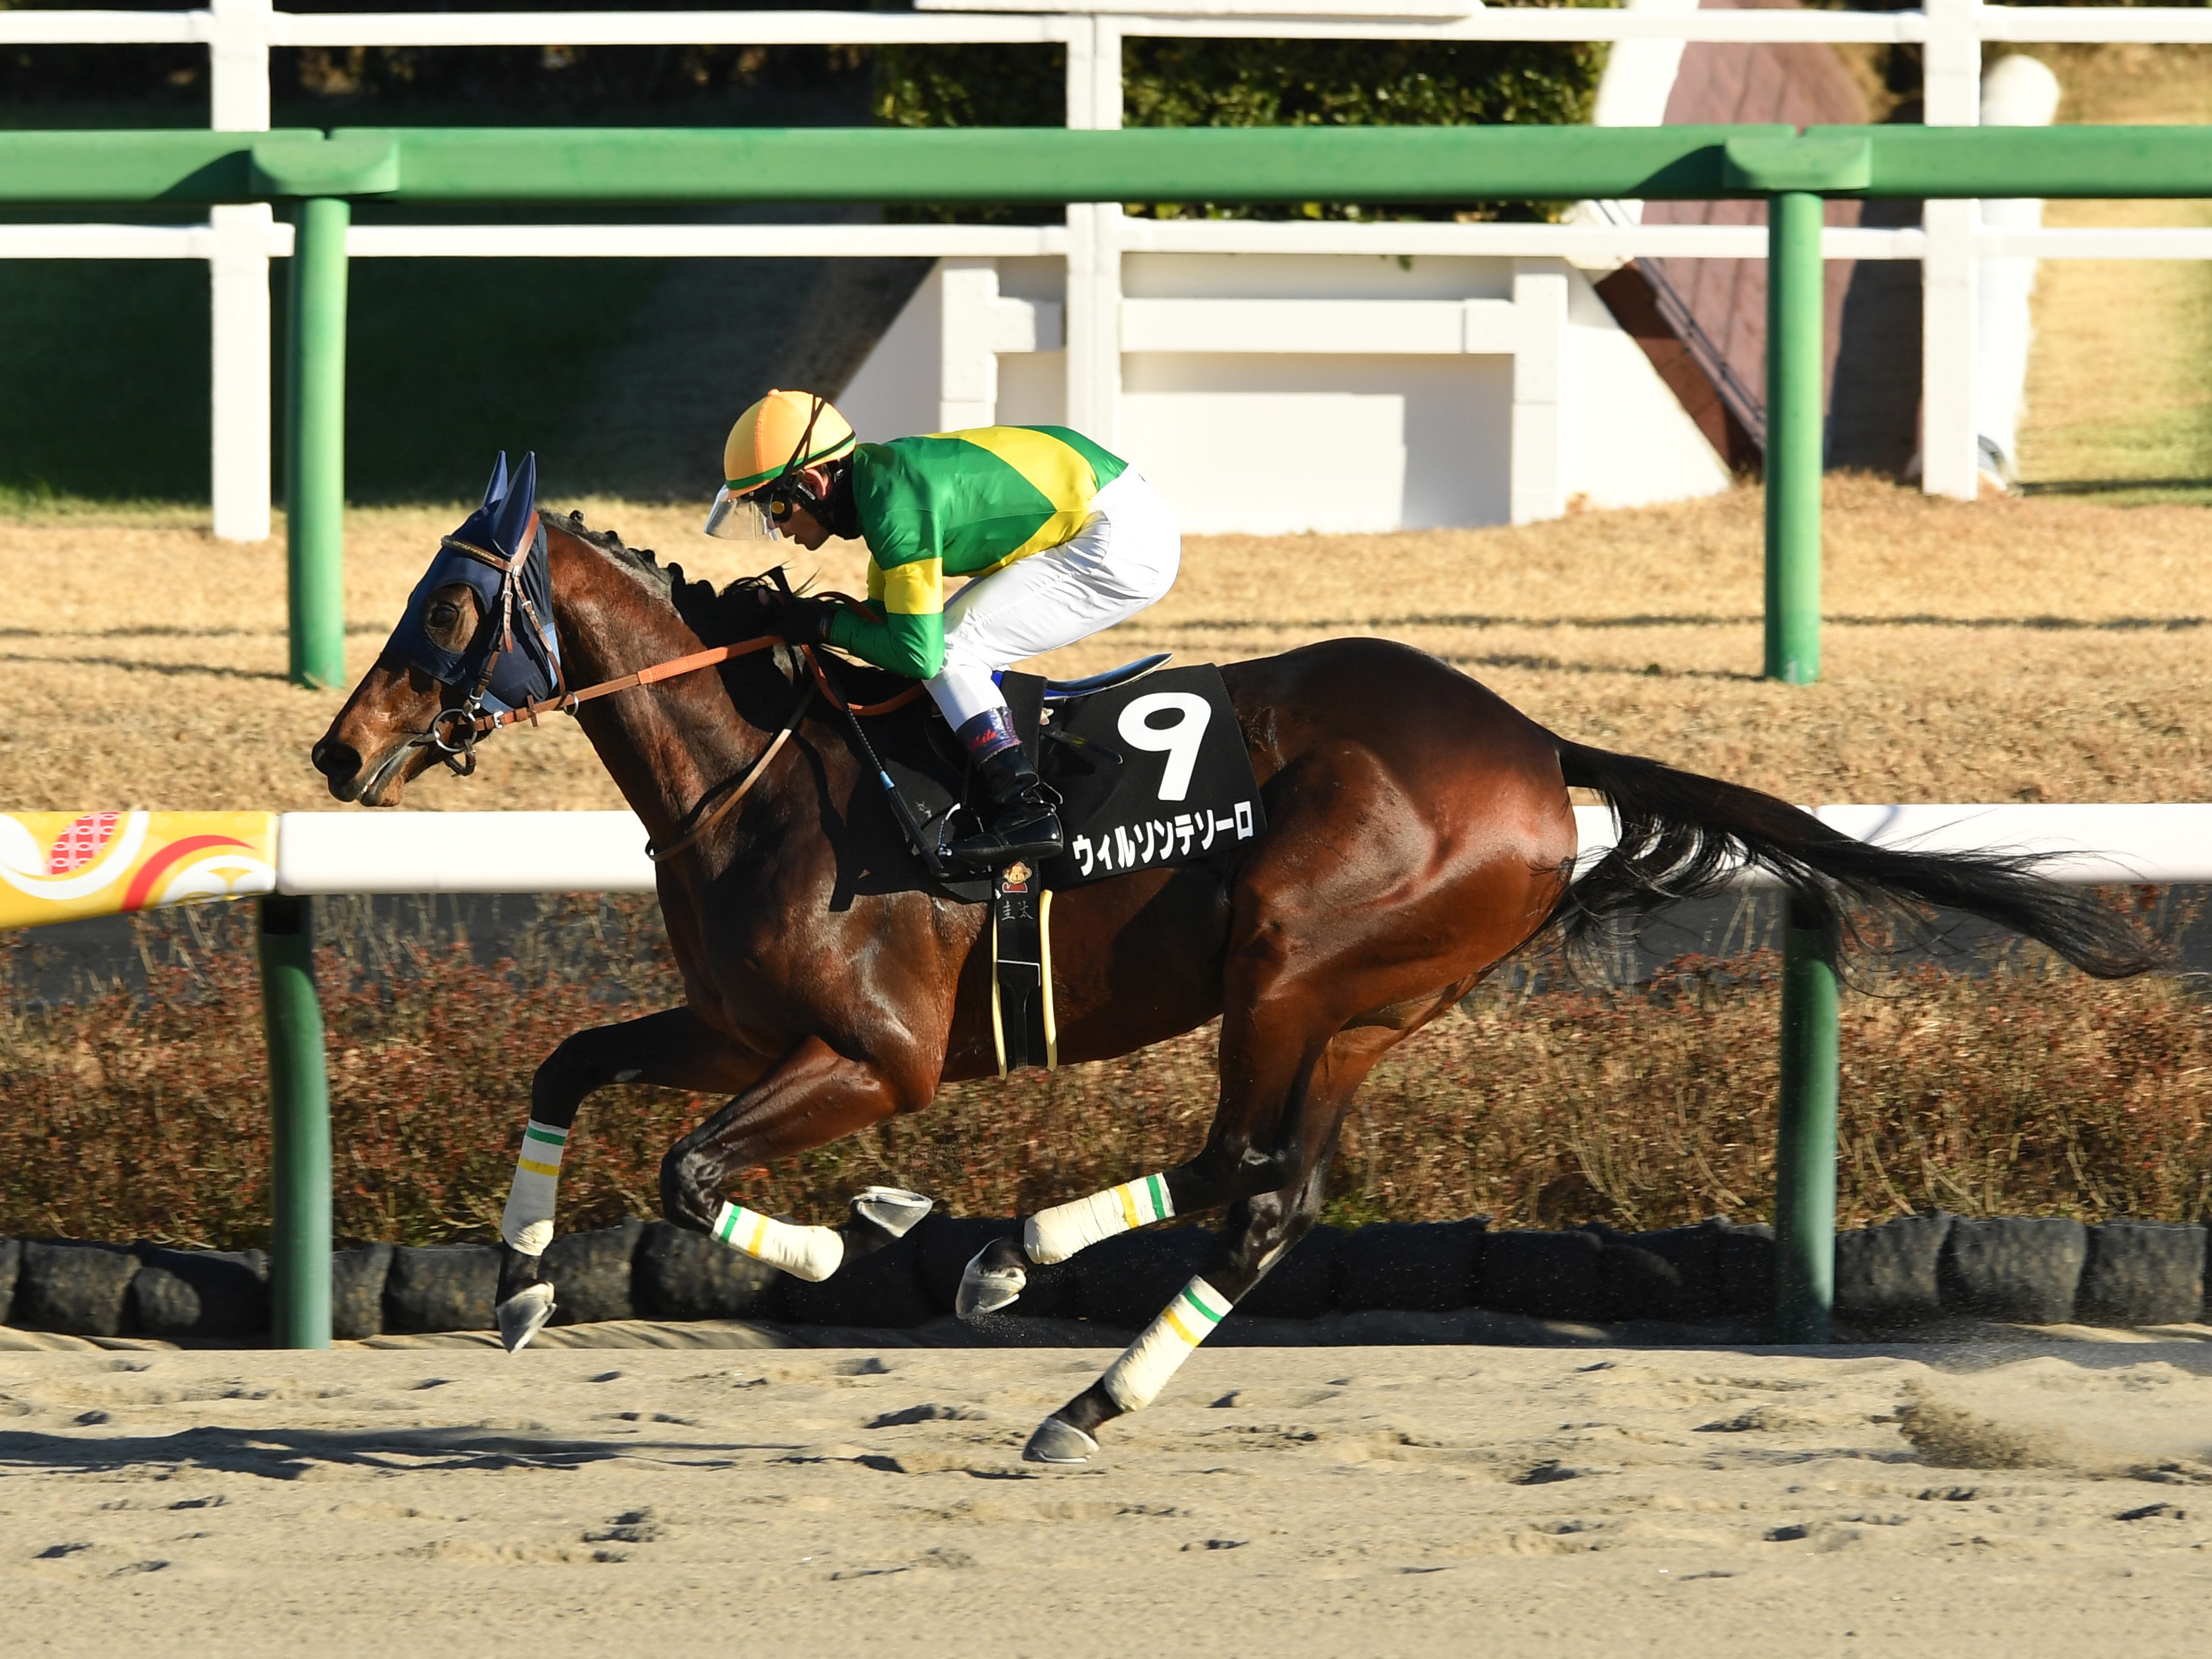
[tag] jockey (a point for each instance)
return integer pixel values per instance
(1059, 538)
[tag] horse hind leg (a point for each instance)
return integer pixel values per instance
(998, 1274)
(1259, 1233)
(1228, 1169)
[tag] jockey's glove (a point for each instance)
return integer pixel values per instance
(803, 621)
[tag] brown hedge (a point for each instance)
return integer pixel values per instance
(139, 1111)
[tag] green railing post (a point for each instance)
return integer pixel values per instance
(299, 1107)
(1805, 1141)
(1794, 305)
(315, 447)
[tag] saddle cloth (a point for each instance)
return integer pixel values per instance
(1151, 772)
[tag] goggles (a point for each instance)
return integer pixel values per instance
(735, 518)
(760, 514)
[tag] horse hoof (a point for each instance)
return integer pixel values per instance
(1056, 1442)
(523, 1314)
(985, 1290)
(893, 1208)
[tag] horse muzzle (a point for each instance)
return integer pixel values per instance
(340, 764)
(353, 779)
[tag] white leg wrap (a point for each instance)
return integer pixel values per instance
(809, 1253)
(527, 1224)
(1056, 1234)
(1134, 1381)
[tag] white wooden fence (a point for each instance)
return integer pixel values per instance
(1095, 322)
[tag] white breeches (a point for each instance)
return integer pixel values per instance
(1125, 556)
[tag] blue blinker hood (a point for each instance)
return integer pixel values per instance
(524, 654)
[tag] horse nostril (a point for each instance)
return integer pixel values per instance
(336, 761)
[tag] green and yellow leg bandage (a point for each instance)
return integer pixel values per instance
(527, 1226)
(1056, 1234)
(1134, 1381)
(809, 1253)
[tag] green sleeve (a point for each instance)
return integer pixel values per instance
(904, 629)
(913, 645)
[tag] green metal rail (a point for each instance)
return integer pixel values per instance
(321, 174)
(985, 164)
(300, 1101)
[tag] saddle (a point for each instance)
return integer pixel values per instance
(1151, 772)
(931, 771)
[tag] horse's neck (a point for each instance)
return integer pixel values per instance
(664, 745)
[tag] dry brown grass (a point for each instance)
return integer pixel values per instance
(2026, 1093)
(2041, 649)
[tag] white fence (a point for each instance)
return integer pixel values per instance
(239, 241)
(369, 852)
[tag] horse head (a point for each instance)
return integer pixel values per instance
(477, 635)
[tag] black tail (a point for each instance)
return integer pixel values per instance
(1683, 836)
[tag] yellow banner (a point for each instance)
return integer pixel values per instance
(55, 866)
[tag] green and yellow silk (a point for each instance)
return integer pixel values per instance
(958, 504)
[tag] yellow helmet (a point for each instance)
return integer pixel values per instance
(782, 433)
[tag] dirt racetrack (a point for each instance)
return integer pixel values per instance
(2046, 1499)
(2024, 649)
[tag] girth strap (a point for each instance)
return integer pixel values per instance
(728, 803)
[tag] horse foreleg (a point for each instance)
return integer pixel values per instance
(813, 1096)
(673, 1049)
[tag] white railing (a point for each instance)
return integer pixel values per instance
(366, 852)
(239, 241)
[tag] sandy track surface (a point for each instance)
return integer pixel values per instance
(1351, 1501)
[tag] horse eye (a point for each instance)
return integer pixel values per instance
(444, 614)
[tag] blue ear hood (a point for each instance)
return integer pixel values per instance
(525, 661)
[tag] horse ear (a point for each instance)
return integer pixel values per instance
(512, 516)
(497, 487)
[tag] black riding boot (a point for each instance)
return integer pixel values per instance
(1019, 822)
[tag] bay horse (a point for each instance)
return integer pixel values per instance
(1419, 832)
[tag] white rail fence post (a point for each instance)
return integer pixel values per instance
(239, 381)
(1537, 467)
(2016, 92)
(1094, 241)
(1949, 460)
(967, 373)
(239, 483)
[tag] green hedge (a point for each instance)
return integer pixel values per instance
(1174, 82)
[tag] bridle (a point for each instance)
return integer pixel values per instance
(456, 729)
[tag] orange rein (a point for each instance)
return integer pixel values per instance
(690, 665)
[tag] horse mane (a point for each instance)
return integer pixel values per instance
(696, 603)
(741, 609)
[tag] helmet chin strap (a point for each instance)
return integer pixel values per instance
(788, 491)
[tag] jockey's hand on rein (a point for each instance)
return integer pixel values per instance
(803, 621)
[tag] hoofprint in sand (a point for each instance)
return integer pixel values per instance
(2027, 1498)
